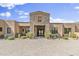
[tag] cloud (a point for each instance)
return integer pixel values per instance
(23, 14)
(14, 1)
(6, 14)
(26, 13)
(59, 20)
(10, 5)
(19, 12)
(77, 7)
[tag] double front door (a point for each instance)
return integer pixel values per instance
(40, 30)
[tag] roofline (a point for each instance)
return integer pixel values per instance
(23, 22)
(7, 20)
(38, 11)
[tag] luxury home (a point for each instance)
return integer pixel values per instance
(38, 25)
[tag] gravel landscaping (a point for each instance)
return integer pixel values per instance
(39, 47)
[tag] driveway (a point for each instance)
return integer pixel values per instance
(40, 47)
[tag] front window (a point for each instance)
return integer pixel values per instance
(8, 30)
(22, 30)
(27, 30)
(54, 30)
(67, 30)
(39, 18)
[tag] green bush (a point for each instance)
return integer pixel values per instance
(47, 34)
(19, 35)
(66, 36)
(24, 37)
(29, 35)
(54, 36)
(72, 35)
(9, 38)
(6, 37)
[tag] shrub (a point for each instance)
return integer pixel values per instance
(19, 35)
(6, 37)
(9, 37)
(54, 36)
(24, 37)
(47, 34)
(29, 35)
(66, 36)
(73, 35)
(22, 34)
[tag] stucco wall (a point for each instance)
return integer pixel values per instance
(35, 21)
(2, 24)
(11, 24)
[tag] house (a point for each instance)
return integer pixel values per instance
(39, 24)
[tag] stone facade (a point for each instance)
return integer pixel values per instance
(39, 24)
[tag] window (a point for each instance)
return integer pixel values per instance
(67, 30)
(0, 28)
(39, 18)
(8, 30)
(27, 30)
(54, 30)
(22, 30)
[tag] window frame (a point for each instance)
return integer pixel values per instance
(54, 30)
(67, 30)
(39, 18)
(8, 30)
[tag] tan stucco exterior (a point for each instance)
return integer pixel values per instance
(38, 19)
(2, 24)
(34, 21)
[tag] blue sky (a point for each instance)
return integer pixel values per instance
(59, 12)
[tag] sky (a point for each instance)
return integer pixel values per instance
(59, 12)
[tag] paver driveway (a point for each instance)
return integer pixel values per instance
(39, 47)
